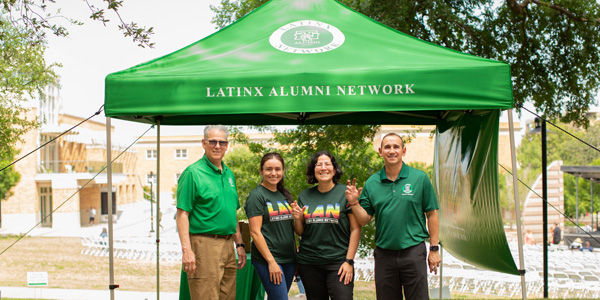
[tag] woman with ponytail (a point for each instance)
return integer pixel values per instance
(272, 229)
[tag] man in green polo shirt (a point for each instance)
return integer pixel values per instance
(207, 203)
(401, 199)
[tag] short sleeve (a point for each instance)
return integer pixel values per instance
(300, 198)
(429, 198)
(255, 205)
(185, 191)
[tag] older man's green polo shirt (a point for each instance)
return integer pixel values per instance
(399, 206)
(210, 196)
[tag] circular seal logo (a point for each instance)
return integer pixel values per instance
(307, 37)
(407, 189)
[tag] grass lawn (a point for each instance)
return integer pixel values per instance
(69, 269)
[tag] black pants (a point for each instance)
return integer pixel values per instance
(398, 269)
(322, 282)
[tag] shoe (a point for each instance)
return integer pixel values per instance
(301, 296)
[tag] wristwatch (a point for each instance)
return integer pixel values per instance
(350, 261)
(434, 248)
(240, 245)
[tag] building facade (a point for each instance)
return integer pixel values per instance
(62, 181)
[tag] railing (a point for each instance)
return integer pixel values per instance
(77, 166)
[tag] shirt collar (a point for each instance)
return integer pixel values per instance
(403, 173)
(212, 166)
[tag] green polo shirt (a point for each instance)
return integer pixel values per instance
(399, 207)
(210, 196)
(277, 224)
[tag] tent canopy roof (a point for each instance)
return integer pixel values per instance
(585, 172)
(312, 62)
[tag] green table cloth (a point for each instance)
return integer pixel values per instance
(247, 285)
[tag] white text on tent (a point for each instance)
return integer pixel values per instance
(321, 90)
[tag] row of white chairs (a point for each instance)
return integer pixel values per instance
(132, 249)
(364, 269)
(474, 281)
(575, 275)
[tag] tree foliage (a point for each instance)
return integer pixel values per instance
(23, 75)
(553, 46)
(245, 167)
(40, 16)
(8, 178)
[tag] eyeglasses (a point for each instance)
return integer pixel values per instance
(323, 165)
(213, 143)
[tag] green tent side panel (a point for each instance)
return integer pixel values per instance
(466, 181)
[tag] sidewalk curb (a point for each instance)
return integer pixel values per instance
(65, 294)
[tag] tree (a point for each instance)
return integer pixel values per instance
(245, 167)
(553, 47)
(39, 16)
(8, 179)
(24, 74)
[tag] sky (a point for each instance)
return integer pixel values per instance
(92, 51)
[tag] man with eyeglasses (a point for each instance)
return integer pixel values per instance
(207, 204)
(401, 199)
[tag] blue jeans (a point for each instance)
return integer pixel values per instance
(280, 291)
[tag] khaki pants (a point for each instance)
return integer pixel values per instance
(214, 278)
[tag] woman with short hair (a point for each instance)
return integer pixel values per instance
(329, 230)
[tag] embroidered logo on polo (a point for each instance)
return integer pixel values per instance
(231, 182)
(323, 214)
(307, 37)
(283, 212)
(407, 189)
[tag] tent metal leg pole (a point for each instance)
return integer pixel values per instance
(577, 202)
(110, 208)
(158, 218)
(517, 203)
(441, 269)
(592, 203)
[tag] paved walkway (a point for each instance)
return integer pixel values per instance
(134, 221)
(64, 294)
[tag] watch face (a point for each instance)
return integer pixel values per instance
(434, 248)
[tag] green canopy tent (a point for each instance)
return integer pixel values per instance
(318, 62)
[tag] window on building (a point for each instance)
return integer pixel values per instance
(46, 206)
(181, 154)
(177, 175)
(49, 161)
(151, 154)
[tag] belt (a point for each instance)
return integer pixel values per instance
(216, 236)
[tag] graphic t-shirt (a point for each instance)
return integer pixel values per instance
(327, 228)
(277, 224)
